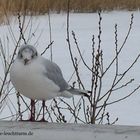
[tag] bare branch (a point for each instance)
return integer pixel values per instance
(47, 47)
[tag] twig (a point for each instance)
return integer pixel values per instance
(50, 31)
(77, 46)
(128, 33)
(21, 25)
(47, 47)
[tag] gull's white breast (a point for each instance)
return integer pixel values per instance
(31, 81)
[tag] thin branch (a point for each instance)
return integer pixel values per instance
(123, 44)
(47, 47)
(21, 25)
(77, 46)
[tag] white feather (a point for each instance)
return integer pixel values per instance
(30, 81)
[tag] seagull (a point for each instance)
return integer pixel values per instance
(38, 78)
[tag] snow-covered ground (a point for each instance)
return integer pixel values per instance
(42, 131)
(85, 25)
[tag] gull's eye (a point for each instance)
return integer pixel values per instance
(20, 55)
(35, 54)
(32, 56)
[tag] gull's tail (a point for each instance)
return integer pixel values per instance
(80, 92)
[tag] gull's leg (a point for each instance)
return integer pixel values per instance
(32, 118)
(43, 107)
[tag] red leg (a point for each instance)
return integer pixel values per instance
(43, 107)
(32, 117)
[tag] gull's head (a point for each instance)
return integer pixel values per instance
(27, 53)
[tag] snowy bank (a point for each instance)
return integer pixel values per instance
(57, 131)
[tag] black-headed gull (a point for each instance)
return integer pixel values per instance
(38, 78)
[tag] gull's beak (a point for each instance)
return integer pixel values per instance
(26, 61)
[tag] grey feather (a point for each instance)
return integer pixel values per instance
(54, 73)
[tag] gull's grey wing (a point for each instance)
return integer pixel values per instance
(54, 73)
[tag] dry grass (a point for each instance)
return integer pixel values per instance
(8, 7)
(42, 6)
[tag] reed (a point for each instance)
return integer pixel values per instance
(42, 6)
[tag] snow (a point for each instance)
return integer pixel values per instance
(85, 25)
(52, 131)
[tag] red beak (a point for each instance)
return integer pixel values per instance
(26, 61)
